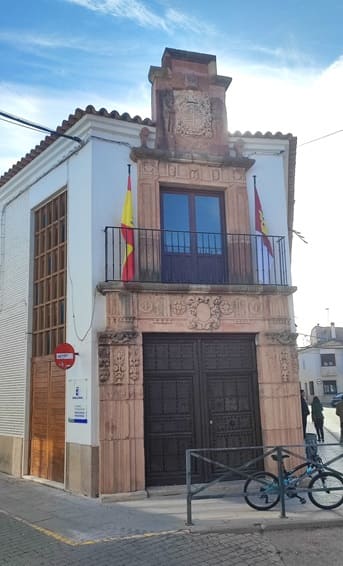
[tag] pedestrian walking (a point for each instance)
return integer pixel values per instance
(318, 418)
(304, 410)
(339, 413)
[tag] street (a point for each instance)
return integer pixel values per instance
(40, 526)
(20, 545)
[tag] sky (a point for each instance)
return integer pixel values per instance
(286, 61)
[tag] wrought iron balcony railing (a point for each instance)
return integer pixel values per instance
(169, 256)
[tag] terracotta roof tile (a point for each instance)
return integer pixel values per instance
(79, 113)
(62, 129)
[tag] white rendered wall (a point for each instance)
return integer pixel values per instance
(14, 280)
(270, 184)
(95, 177)
(97, 185)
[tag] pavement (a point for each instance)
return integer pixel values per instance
(78, 521)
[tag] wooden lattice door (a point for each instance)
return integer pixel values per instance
(47, 431)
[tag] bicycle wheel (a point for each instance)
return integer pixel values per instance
(329, 498)
(262, 491)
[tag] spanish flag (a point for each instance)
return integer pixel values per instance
(260, 224)
(128, 270)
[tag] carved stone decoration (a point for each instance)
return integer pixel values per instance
(172, 170)
(178, 307)
(104, 363)
(146, 305)
(254, 306)
(205, 312)
(144, 134)
(216, 174)
(109, 338)
(238, 174)
(238, 147)
(285, 337)
(151, 305)
(194, 173)
(134, 364)
(191, 80)
(284, 366)
(227, 308)
(193, 114)
(148, 168)
(118, 365)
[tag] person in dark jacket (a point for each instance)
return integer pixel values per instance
(304, 410)
(339, 413)
(318, 418)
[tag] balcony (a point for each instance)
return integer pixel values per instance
(167, 256)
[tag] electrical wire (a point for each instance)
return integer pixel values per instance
(321, 138)
(21, 125)
(33, 125)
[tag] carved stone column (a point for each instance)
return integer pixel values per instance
(279, 391)
(121, 413)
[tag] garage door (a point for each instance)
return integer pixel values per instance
(200, 391)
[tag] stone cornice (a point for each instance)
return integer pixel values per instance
(116, 286)
(140, 153)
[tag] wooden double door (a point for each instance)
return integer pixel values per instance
(200, 391)
(47, 419)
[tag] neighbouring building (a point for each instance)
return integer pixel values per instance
(199, 348)
(321, 363)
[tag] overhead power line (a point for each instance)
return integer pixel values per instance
(321, 138)
(28, 124)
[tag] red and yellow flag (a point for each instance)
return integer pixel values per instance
(128, 270)
(260, 224)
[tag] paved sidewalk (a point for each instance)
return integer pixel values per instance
(78, 520)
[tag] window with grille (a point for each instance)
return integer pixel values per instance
(49, 278)
(329, 387)
(327, 360)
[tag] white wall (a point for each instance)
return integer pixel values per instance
(270, 184)
(14, 270)
(96, 180)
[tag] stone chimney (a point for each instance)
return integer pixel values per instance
(188, 103)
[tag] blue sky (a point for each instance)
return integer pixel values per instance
(286, 62)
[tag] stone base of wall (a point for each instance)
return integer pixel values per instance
(11, 455)
(82, 469)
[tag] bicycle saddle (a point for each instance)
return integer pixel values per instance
(276, 457)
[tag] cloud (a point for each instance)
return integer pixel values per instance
(49, 108)
(56, 42)
(304, 100)
(139, 13)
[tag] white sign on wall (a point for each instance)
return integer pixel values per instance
(77, 404)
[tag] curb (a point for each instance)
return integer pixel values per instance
(264, 526)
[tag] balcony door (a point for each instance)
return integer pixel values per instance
(193, 238)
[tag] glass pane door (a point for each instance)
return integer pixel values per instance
(193, 239)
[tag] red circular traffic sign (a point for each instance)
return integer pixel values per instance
(64, 355)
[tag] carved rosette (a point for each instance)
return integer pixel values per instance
(178, 307)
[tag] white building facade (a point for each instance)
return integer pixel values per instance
(58, 283)
(321, 363)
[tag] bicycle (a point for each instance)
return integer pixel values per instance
(262, 490)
